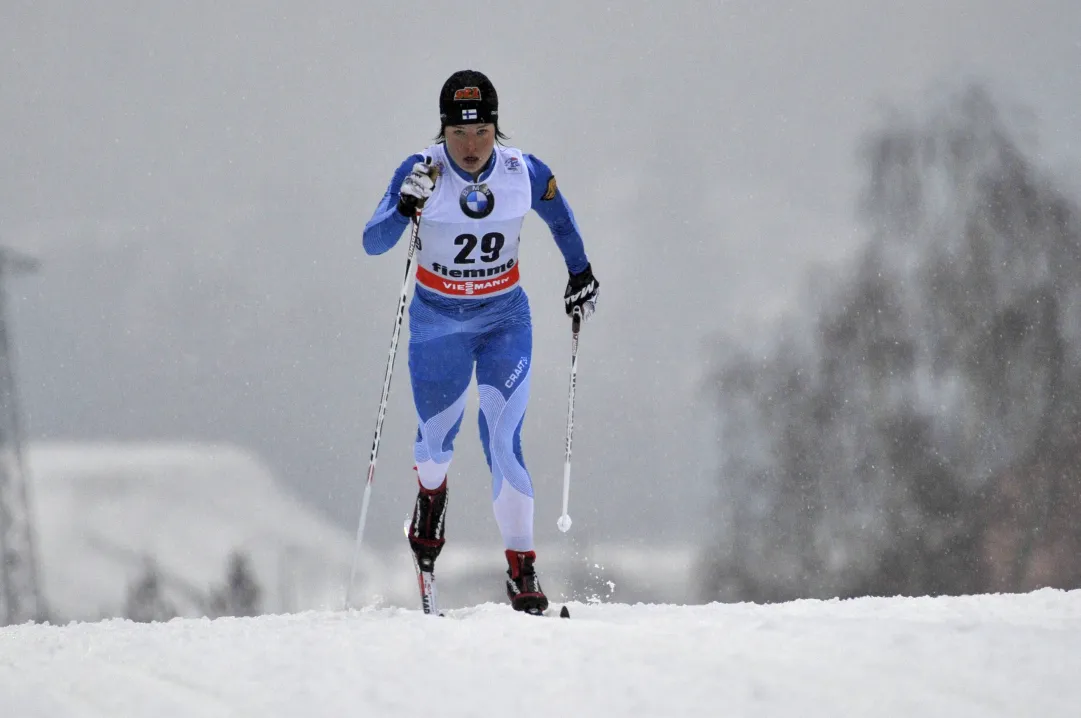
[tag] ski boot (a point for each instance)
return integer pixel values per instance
(523, 587)
(425, 534)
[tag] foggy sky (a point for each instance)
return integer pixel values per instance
(196, 179)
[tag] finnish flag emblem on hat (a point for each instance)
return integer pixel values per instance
(469, 114)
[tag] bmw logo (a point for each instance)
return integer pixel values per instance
(477, 201)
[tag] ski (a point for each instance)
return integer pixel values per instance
(429, 597)
(426, 584)
(548, 613)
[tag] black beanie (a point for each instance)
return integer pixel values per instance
(468, 98)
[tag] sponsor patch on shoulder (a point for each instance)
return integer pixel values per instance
(512, 164)
(550, 191)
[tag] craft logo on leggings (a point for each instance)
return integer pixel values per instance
(522, 364)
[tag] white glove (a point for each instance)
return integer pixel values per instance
(416, 188)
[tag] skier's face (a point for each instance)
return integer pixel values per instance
(470, 146)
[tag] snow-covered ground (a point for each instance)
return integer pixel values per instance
(986, 656)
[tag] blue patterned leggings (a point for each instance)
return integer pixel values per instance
(496, 339)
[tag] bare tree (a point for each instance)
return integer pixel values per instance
(146, 601)
(241, 594)
(918, 432)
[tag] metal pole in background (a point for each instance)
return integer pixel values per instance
(20, 591)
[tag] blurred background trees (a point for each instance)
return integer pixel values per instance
(240, 594)
(146, 601)
(917, 431)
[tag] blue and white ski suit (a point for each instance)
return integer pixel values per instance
(469, 310)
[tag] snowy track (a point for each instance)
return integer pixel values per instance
(972, 656)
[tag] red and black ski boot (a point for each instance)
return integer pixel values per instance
(425, 534)
(523, 587)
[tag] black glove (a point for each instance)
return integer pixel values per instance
(583, 290)
(416, 188)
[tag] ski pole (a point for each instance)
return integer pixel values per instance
(564, 522)
(383, 405)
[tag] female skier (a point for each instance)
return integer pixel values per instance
(469, 310)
